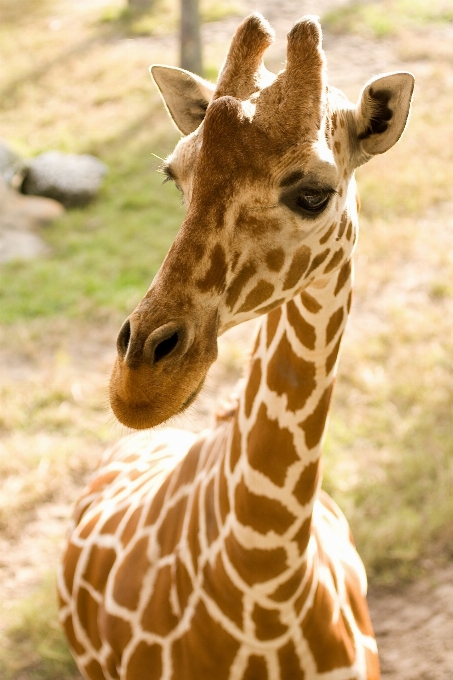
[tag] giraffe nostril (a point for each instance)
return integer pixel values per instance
(165, 347)
(172, 339)
(124, 338)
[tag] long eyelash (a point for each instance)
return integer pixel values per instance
(165, 170)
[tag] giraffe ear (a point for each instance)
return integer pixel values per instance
(186, 96)
(381, 112)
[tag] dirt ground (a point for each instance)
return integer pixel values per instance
(413, 624)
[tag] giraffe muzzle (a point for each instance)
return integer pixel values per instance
(170, 341)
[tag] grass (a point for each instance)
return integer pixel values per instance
(388, 452)
(163, 16)
(103, 257)
(35, 648)
(387, 18)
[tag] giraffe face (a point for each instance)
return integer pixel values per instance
(267, 178)
(261, 215)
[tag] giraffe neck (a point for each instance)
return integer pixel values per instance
(272, 464)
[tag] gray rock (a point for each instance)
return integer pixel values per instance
(12, 166)
(20, 216)
(69, 178)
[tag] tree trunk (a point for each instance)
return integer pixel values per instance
(190, 37)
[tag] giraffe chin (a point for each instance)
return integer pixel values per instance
(146, 407)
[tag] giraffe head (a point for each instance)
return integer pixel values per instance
(265, 166)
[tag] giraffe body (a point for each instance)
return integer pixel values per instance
(219, 555)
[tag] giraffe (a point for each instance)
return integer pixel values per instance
(219, 555)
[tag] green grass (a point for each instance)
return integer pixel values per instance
(103, 257)
(386, 18)
(35, 647)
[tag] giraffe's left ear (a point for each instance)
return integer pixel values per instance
(186, 95)
(381, 112)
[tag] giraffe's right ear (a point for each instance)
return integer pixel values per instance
(186, 96)
(382, 111)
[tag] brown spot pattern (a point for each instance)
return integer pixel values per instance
(236, 286)
(259, 294)
(158, 616)
(253, 384)
(267, 623)
(130, 574)
(145, 661)
(111, 524)
(297, 267)
(214, 279)
(131, 527)
(302, 536)
(261, 513)
(264, 431)
(256, 668)
(310, 303)
(335, 261)
(88, 528)
(87, 613)
(218, 586)
(349, 231)
(158, 501)
(318, 260)
(331, 359)
(235, 448)
(288, 588)
(205, 651)
(300, 600)
(272, 324)
(170, 530)
(235, 260)
(289, 374)
(187, 469)
(289, 662)
(98, 566)
(184, 586)
(268, 308)
(328, 234)
(255, 565)
(71, 559)
(111, 666)
(343, 276)
(305, 331)
(194, 530)
(334, 324)
(212, 530)
(349, 302)
(116, 631)
(313, 426)
(306, 484)
(275, 259)
(343, 223)
(70, 634)
(94, 671)
(332, 644)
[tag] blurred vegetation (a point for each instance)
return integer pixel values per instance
(386, 18)
(77, 81)
(35, 648)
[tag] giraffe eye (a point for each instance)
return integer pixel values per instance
(313, 202)
(308, 201)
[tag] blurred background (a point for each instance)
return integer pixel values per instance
(74, 78)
